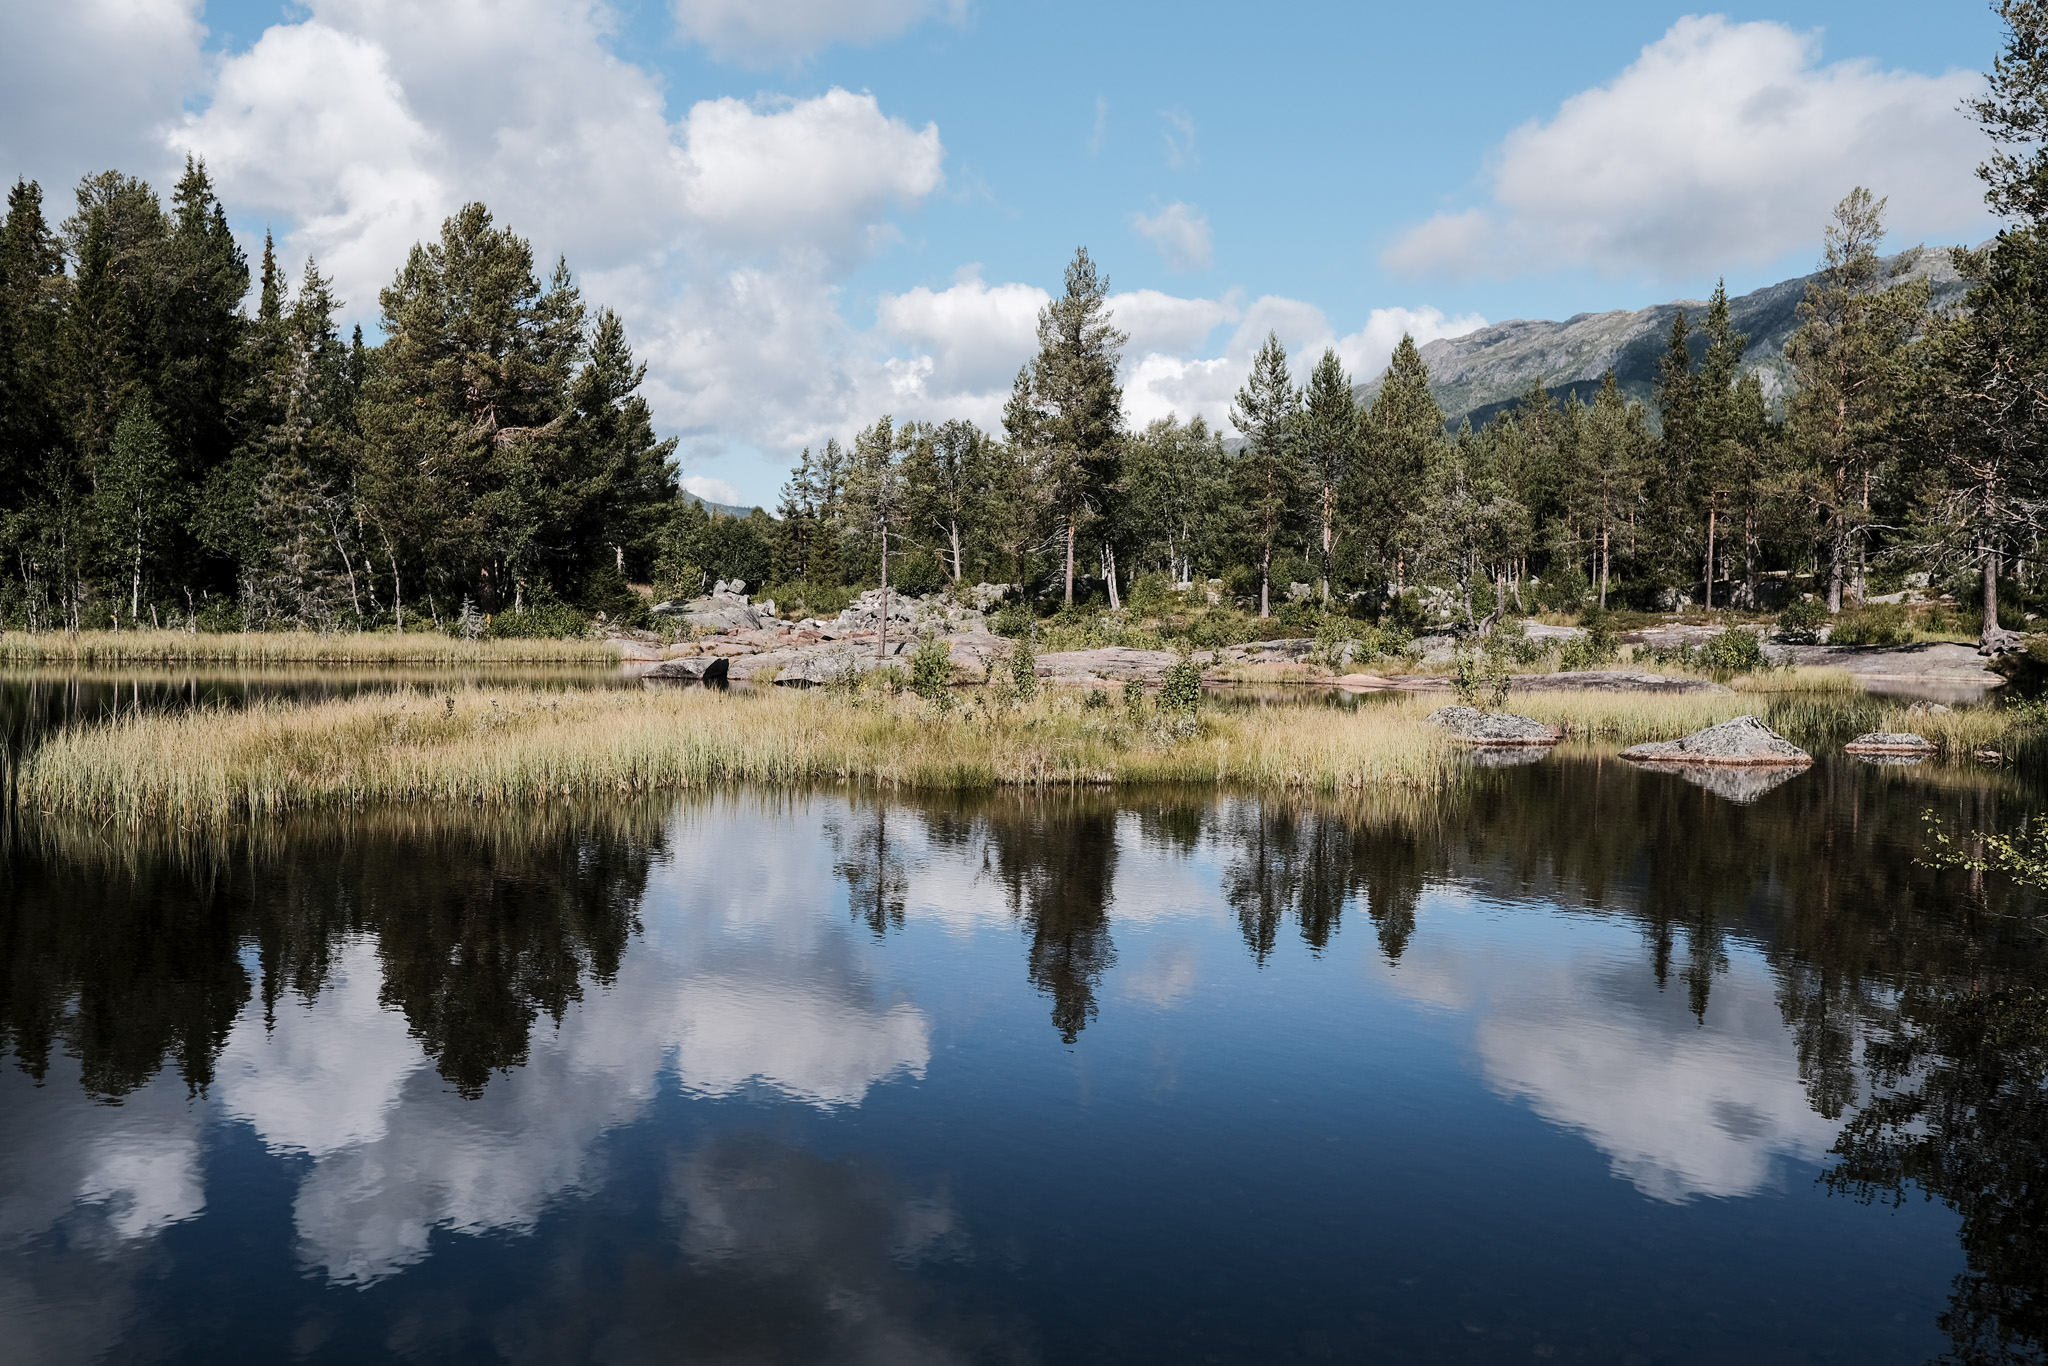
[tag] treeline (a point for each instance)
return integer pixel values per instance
(169, 456)
(1910, 439)
(1882, 458)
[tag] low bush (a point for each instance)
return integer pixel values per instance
(1880, 623)
(1181, 693)
(931, 673)
(1801, 623)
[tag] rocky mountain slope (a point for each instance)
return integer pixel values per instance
(1478, 374)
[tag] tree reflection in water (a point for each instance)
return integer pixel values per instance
(1913, 997)
(129, 955)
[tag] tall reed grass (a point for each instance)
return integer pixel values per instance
(483, 746)
(478, 745)
(269, 648)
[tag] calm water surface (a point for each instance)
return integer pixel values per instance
(1577, 1064)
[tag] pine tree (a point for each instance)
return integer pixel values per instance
(1848, 358)
(469, 477)
(1267, 471)
(1613, 441)
(1979, 385)
(876, 502)
(1176, 472)
(947, 474)
(1076, 402)
(1329, 444)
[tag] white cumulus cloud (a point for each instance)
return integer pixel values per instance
(1179, 233)
(1724, 144)
(755, 33)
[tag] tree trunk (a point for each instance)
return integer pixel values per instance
(1329, 497)
(953, 529)
(1070, 561)
(135, 584)
(1116, 603)
(1603, 568)
(1710, 558)
(1265, 579)
(882, 646)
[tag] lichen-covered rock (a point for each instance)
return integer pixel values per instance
(1890, 742)
(1743, 741)
(1493, 728)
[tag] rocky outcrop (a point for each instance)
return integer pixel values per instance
(1110, 664)
(1890, 742)
(1477, 727)
(697, 669)
(1743, 742)
(723, 609)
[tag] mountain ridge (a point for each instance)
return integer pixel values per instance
(1478, 374)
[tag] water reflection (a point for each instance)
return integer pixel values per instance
(715, 1064)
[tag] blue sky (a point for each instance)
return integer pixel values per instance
(813, 212)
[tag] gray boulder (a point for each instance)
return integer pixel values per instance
(1890, 742)
(697, 669)
(1742, 741)
(1492, 728)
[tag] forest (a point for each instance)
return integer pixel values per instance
(186, 443)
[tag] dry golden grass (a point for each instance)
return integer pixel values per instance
(269, 648)
(476, 745)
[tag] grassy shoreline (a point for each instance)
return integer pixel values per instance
(475, 745)
(269, 648)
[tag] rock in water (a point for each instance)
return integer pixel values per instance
(1492, 728)
(699, 669)
(1744, 740)
(1889, 742)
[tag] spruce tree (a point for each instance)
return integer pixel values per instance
(1267, 471)
(1329, 443)
(1403, 434)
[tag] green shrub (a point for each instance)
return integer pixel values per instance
(931, 672)
(1465, 681)
(917, 573)
(1134, 695)
(545, 618)
(802, 598)
(1150, 592)
(1181, 693)
(1300, 617)
(1023, 669)
(1735, 651)
(1880, 623)
(1801, 623)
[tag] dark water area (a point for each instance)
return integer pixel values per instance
(1574, 1063)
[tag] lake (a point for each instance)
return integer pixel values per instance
(1573, 1063)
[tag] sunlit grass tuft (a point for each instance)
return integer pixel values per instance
(484, 746)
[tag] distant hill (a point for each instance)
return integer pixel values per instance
(1482, 372)
(725, 509)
